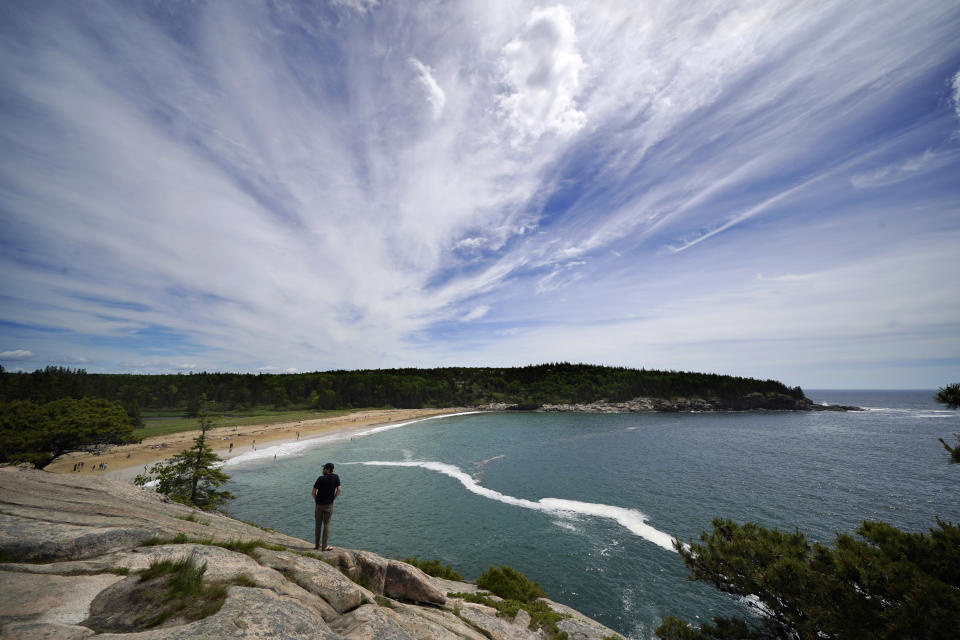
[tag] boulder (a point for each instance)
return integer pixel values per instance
(360, 565)
(579, 626)
(496, 628)
(407, 582)
(389, 577)
(318, 578)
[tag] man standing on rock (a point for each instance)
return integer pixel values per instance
(325, 490)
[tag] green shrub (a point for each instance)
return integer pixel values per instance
(184, 593)
(434, 568)
(240, 546)
(193, 518)
(385, 602)
(361, 580)
(248, 546)
(186, 576)
(243, 580)
(180, 538)
(510, 584)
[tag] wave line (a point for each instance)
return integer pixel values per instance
(631, 519)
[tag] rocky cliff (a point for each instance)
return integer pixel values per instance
(73, 550)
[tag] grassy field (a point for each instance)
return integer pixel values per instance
(162, 423)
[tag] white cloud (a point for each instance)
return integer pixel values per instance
(470, 244)
(476, 313)
(360, 6)
(562, 276)
(789, 277)
(435, 95)
(790, 328)
(258, 189)
(542, 67)
(16, 354)
(905, 169)
(955, 98)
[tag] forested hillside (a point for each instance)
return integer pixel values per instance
(401, 388)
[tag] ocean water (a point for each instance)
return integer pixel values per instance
(586, 505)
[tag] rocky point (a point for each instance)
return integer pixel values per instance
(72, 548)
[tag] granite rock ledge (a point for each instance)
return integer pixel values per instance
(749, 402)
(71, 545)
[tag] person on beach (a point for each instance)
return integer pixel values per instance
(325, 490)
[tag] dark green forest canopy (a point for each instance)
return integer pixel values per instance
(400, 388)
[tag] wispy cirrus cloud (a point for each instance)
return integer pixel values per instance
(476, 313)
(434, 94)
(905, 169)
(304, 185)
(955, 97)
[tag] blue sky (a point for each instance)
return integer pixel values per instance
(768, 189)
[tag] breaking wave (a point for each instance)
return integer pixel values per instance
(631, 519)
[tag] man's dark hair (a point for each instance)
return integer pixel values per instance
(329, 466)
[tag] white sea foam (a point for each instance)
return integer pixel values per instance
(290, 449)
(633, 520)
(566, 524)
(911, 413)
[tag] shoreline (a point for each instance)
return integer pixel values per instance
(124, 462)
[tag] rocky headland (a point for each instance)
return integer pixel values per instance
(749, 402)
(73, 550)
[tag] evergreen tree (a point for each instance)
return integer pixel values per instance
(193, 475)
(950, 396)
(885, 585)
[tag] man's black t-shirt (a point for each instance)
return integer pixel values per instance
(326, 487)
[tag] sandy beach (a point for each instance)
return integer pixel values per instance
(124, 462)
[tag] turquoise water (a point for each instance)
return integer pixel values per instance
(585, 504)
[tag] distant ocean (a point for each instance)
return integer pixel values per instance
(586, 505)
